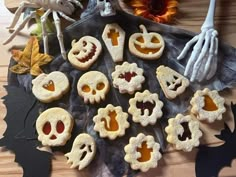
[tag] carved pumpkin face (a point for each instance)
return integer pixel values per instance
(146, 45)
(84, 52)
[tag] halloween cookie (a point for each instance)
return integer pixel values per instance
(50, 87)
(171, 82)
(148, 46)
(82, 152)
(93, 87)
(111, 122)
(145, 108)
(114, 39)
(208, 105)
(84, 52)
(142, 152)
(183, 132)
(54, 127)
(128, 78)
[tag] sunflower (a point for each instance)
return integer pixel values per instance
(161, 11)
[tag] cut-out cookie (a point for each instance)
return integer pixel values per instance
(111, 122)
(142, 152)
(128, 78)
(84, 52)
(82, 152)
(145, 108)
(149, 46)
(208, 105)
(93, 87)
(54, 127)
(183, 132)
(114, 39)
(50, 87)
(171, 82)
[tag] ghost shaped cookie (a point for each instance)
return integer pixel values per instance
(82, 152)
(50, 87)
(54, 127)
(84, 52)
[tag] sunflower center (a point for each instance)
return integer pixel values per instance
(157, 7)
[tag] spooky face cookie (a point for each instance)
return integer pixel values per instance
(145, 108)
(208, 105)
(111, 122)
(142, 152)
(93, 87)
(82, 152)
(50, 87)
(84, 52)
(148, 46)
(54, 127)
(128, 78)
(171, 82)
(183, 132)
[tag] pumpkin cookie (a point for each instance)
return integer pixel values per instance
(148, 46)
(145, 108)
(128, 78)
(93, 87)
(142, 152)
(111, 122)
(183, 132)
(171, 82)
(208, 105)
(54, 127)
(82, 152)
(50, 87)
(84, 52)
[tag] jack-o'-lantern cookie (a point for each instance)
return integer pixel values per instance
(84, 52)
(149, 46)
(54, 127)
(111, 122)
(82, 152)
(142, 152)
(208, 105)
(50, 87)
(171, 82)
(145, 108)
(93, 87)
(183, 132)
(128, 78)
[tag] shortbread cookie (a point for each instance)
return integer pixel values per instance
(50, 87)
(111, 122)
(114, 39)
(208, 105)
(93, 87)
(171, 82)
(145, 108)
(142, 152)
(128, 78)
(183, 132)
(54, 127)
(84, 52)
(82, 152)
(148, 46)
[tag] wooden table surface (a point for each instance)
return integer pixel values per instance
(174, 163)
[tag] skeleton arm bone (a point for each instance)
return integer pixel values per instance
(44, 32)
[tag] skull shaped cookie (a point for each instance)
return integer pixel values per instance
(145, 108)
(82, 152)
(142, 152)
(208, 105)
(128, 78)
(50, 87)
(183, 132)
(84, 52)
(111, 122)
(54, 127)
(93, 87)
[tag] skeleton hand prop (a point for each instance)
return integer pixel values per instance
(105, 8)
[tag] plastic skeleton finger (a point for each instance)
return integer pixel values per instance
(44, 31)
(77, 3)
(66, 17)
